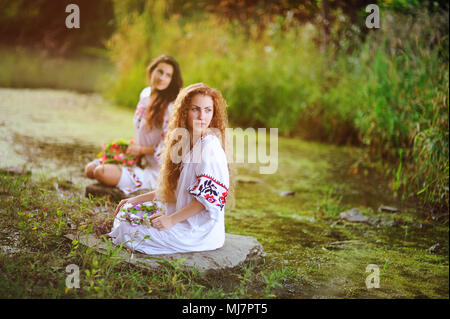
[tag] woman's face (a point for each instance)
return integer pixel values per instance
(200, 114)
(161, 76)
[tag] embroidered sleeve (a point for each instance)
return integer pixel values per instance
(211, 193)
(211, 187)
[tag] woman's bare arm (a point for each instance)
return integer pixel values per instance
(135, 150)
(164, 222)
(143, 197)
(146, 150)
(147, 197)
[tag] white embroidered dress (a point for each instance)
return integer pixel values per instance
(207, 181)
(135, 178)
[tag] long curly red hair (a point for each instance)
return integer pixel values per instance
(170, 171)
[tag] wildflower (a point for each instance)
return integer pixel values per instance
(140, 213)
(114, 153)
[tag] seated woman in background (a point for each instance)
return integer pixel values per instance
(150, 126)
(194, 189)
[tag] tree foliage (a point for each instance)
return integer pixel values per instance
(41, 24)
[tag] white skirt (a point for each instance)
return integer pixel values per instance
(135, 178)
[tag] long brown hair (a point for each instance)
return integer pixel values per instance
(155, 113)
(170, 171)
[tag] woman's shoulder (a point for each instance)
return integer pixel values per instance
(211, 140)
(211, 147)
(145, 92)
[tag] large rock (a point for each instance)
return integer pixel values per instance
(100, 190)
(237, 250)
(354, 215)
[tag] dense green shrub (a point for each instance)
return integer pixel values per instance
(404, 114)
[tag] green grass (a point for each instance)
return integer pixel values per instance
(31, 209)
(292, 230)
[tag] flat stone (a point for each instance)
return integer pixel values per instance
(10, 242)
(8, 250)
(114, 193)
(354, 215)
(236, 251)
(15, 170)
(287, 193)
(386, 222)
(434, 249)
(388, 209)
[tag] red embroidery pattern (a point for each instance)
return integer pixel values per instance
(135, 178)
(139, 110)
(211, 190)
(163, 136)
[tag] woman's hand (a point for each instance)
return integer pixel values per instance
(137, 199)
(122, 202)
(133, 150)
(161, 221)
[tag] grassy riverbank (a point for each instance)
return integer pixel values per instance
(310, 251)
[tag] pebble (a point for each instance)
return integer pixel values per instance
(435, 248)
(288, 193)
(388, 209)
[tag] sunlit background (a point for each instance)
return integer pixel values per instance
(310, 68)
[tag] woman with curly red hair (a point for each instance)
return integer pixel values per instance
(194, 181)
